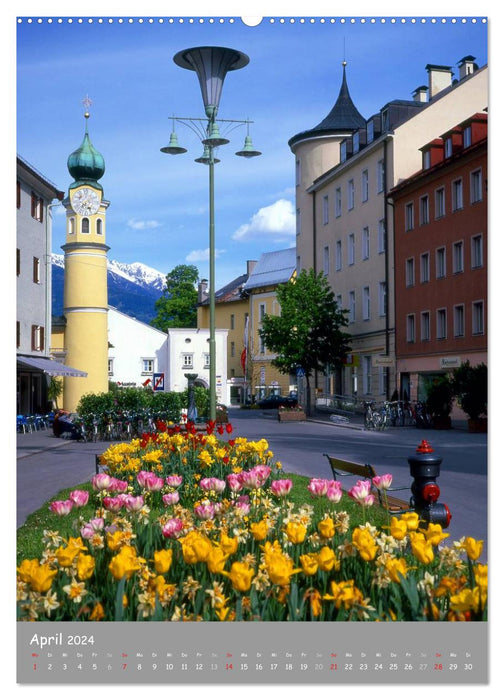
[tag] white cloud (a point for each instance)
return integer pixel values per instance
(201, 255)
(142, 225)
(277, 218)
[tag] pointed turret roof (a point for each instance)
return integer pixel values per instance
(343, 117)
(86, 164)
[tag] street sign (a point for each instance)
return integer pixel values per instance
(300, 372)
(158, 381)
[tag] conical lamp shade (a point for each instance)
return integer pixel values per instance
(248, 149)
(173, 147)
(211, 64)
(205, 158)
(214, 138)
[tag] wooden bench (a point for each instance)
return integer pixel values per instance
(341, 467)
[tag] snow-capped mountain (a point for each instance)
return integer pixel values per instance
(132, 288)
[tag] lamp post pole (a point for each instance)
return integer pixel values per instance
(211, 64)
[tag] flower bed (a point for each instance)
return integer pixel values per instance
(191, 526)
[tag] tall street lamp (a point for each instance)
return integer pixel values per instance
(211, 64)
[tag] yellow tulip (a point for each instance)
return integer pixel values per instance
(66, 555)
(434, 534)
(398, 528)
(42, 577)
(216, 560)
(411, 519)
(85, 566)
(125, 563)
(26, 569)
(365, 544)
(280, 569)
(163, 560)
(396, 567)
(259, 530)
(195, 547)
(296, 532)
(309, 564)
(241, 576)
(473, 548)
(421, 548)
(326, 528)
(228, 544)
(326, 559)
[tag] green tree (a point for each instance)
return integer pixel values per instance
(308, 333)
(176, 308)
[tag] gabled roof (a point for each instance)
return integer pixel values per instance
(272, 269)
(230, 292)
(344, 116)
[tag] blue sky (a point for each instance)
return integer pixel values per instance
(158, 211)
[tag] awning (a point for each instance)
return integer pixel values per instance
(50, 367)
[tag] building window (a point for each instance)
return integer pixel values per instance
(351, 195)
(232, 345)
(337, 203)
(440, 263)
(365, 185)
(18, 334)
(338, 255)
(37, 338)
(339, 301)
(365, 243)
(441, 324)
(298, 172)
(410, 272)
(36, 270)
(351, 248)
(366, 304)
(382, 298)
(206, 360)
(147, 365)
(458, 321)
(351, 306)
(457, 199)
(478, 321)
(381, 236)
(71, 225)
(409, 216)
(424, 210)
(448, 147)
(410, 328)
(477, 251)
(85, 225)
(326, 260)
(424, 267)
(343, 151)
(467, 137)
(458, 257)
(325, 209)
(426, 160)
(298, 222)
(187, 360)
(440, 205)
(99, 227)
(355, 142)
(425, 325)
(476, 187)
(262, 314)
(380, 176)
(18, 194)
(366, 374)
(110, 367)
(370, 131)
(232, 322)
(37, 207)
(18, 262)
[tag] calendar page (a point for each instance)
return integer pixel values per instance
(252, 345)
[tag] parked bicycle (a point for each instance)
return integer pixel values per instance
(422, 416)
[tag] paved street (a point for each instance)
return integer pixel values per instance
(46, 464)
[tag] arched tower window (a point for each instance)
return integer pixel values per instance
(71, 225)
(85, 225)
(99, 227)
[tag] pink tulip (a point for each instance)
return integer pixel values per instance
(234, 482)
(382, 482)
(92, 527)
(334, 492)
(142, 477)
(172, 528)
(211, 483)
(80, 498)
(262, 471)
(205, 511)
(113, 503)
(134, 503)
(170, 499)
(242, 508)
(118, 486)
(361, 493)
(317, 487)
(101, 481)
(61, 507)
(281, 488)
(174, 480)
(149, 481)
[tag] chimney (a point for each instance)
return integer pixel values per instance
(440, 78)
(420, 94)
(466, 66)
(202, 291)
(250, 266)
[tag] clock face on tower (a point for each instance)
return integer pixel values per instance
(85, 201)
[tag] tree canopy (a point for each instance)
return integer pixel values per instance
(176, 308)
(309, 333)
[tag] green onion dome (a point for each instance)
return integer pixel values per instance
(86, 164)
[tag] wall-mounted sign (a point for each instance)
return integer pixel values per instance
(449, 362)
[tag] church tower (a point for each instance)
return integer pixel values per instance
(85, 302)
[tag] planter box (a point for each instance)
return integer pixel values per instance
(291, 415)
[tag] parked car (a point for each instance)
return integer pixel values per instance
(274, 401)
